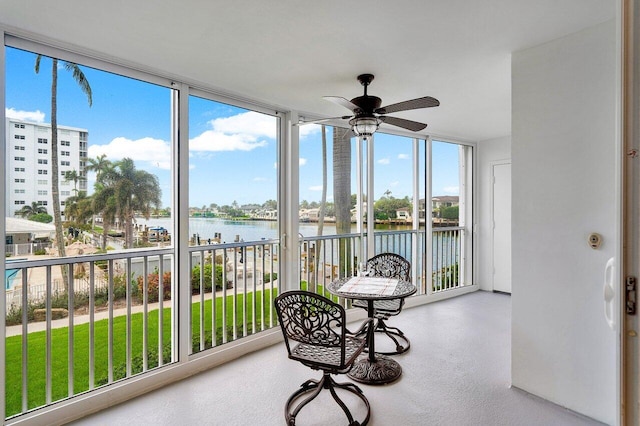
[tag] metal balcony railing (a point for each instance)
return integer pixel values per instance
(244, 278)
(78, 323)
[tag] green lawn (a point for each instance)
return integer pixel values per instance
(36, 348)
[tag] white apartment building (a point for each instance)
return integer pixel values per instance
(28, 171)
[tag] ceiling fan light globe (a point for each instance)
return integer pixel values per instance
(364, 126)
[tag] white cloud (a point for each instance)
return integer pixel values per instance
(384, 161)
(308, 129)
(259, 179)
(36, 116)
(394, 183)
(315, 188)
(154, 152)
(403, 157)
(215, 141)
(455, 190)
(257, 125)
(241, 132)
(247, 123)
(302, 161)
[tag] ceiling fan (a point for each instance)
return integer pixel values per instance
(367, 113)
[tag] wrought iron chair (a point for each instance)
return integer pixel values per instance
(389, 265)
(315, 334)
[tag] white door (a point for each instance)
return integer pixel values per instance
(630, 372)
(501, 216)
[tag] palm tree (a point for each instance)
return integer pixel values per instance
(79, 208)
(27, 211)
(100, 165)
(104, 202)
(80, 78)
(342, 192)
(133, 191)
(73, 175)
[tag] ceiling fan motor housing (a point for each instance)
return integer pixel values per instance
(366, 104)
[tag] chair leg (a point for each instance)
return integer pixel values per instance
(314, 387)
(402, 343)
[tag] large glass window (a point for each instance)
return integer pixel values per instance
(329, 188)
(233, 221)
(71, 325)
(445, 184)
(451, 215)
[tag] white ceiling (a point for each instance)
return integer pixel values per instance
(290, 53)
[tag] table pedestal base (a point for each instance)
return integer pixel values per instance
(378, 372)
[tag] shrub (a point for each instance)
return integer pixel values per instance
(195, 278)
(40, 252)
(14, 315)
(58, 300)
(41, 217)
(120, 287)
(268, 276)
(152, 286)
(448, 275)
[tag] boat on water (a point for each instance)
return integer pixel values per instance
(158, 234)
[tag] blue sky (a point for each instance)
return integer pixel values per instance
(232, 151)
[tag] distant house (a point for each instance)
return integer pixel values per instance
(23, 231)
(436, 203)
(444, 201)
(403, 214)
(309, 215)
(248, 209)
(265, 214)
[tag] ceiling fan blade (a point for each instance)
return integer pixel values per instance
(342, 101)
(425, 102)
(414, 126)
(322, 120)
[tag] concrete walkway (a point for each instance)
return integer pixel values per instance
(16, 330)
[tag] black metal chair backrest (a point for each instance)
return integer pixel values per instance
(389, 265)
(311, 319)
(316, 335)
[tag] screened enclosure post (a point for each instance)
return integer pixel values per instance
(161, 315)
(428, 220)
(370, 248)
(70, 295)
(288, 200)
(181, 301)
(128, 320)
(49, 358)
(415, 214)
(3, 294)
(92, 343)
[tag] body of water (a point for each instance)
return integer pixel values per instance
(247, 230)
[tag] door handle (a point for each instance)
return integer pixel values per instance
(609, 293)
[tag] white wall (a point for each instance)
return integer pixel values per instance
(563, 186)
(489, 152)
